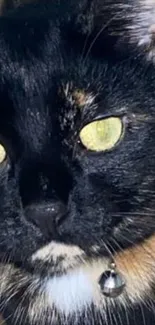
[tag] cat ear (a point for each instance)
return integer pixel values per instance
(119, 24)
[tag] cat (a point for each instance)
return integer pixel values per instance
(77, 170)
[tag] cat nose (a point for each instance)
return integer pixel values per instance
(46, 215)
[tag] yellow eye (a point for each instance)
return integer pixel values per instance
(2, 154)
(102, 135)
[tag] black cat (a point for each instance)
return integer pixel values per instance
(77, 170)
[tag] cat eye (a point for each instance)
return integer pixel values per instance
(2, 154)
(102, 135)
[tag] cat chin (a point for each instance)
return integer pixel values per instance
(76, 291)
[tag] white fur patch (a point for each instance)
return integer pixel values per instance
(71, 292)
(74, 291)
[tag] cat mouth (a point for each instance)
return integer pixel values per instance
(55, 259)
(68, 278)
(58, 258)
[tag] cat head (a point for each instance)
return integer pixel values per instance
(77, 161)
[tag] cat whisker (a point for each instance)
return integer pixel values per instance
(30, 291)
(140, 213)
(143, 315)
(97, 36)
(83, 51)
(109, 250)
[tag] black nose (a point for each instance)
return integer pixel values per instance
(46, 215)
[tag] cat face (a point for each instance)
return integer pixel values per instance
(76, 171)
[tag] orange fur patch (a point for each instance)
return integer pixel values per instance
(80, 97)
(137, 265)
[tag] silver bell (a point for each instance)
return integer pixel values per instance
(111, 282)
